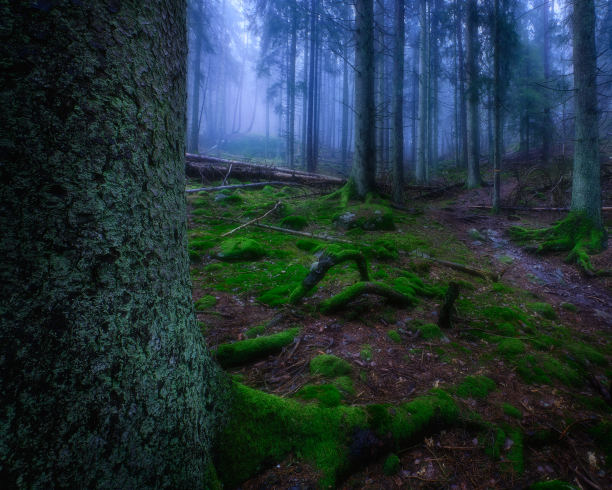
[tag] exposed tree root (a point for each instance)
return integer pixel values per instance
(460, 267)
(328, 259)
(340, 300)
(576, 233)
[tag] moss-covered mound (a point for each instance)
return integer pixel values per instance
(237, 249)
(576, 234)
(249, 350)
(262, 429)
(475, 387)
(329, 366)
(368, 217)
(294, 222)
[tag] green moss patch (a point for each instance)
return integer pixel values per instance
(368, 217)
(250, 350)
(394, 336)
(329, 366)
(326, 395)
(240, 249)
(205, 302)
(475, 387)
(294, 222)
(307, 245)
(255, 331)
(391, 465)
(429, 331)
(510, 347)
(542, 368)
(512, 411)
(544, 309)
(552, 485)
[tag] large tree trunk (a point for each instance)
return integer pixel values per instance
(398, 105)
(474, 179)
(586, 185)
(311, 162)
(345, 108)
(364, 159)
(105, 379)
(422, 147)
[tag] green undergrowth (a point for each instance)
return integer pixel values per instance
(475, 387)
(575, 234)
(205, 302)
(248, 350)
(263, 429)
(329, 366)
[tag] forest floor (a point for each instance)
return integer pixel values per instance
(527, 361)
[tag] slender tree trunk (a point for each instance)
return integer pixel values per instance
(422, 147)
(415, 102)
(497, 108)
(194, 136)
(474, 179)
(547, 127)
(463, 119)
(291, 91)
(364, 159)
(345, 108)
(105, 379)
(586, 185)
(311, 165)
(398, 105)
(305, 103)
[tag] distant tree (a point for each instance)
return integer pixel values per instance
(474, 179)
(104, 377)
(422, 163)
(398, 104)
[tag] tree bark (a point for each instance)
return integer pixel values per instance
(345, 109)
(497, 108)
(463, 119)
(474, 178)
(422, 147)
(398, 105)
(105, 379)
(195, 94)
(311, 164)
(364, 158)
(291, 91)
(586, 185)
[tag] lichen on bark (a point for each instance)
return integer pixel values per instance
(104, 376)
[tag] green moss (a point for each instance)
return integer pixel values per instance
(505, 259)
(240, 249)
(494, 441)
(367, 217)
(552, 485)
(510, 347)
(213, 267)
(475, 387)
(576, 234)
(544, 309)
(197, 247)
(498, 287)
(341, 299)
(602, 433)
(541, 368)
(391, 465)
(345, 385)
(512, 411)
(326, 395)
(205, 302)
(429, 331)
(255, 331)
(394, 336)
(584, 354)
(262, 429)
(294, 222)
(411, 284)
(251, 349)
(307, 244)
(383, 249)
(514, 460)
(503, 314)
(366, 353)
(569, 307)
(329, 366)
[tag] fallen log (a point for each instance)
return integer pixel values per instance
(538, 209)
(202, 166)
(237, 186)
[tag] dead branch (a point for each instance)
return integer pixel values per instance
(252, 221)
(539, 209)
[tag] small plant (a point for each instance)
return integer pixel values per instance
(391, 465)
(394, 336)
(366, 353)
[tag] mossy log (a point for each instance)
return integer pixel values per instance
(340, 300)
(238, 186)
(327, 260)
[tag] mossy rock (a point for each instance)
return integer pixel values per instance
(294, 222)
(512, 411)
(429, 331)
(369, 217)
(329, 366)
(249, 350)
(307, 245)
(239, 249)
(475, 387)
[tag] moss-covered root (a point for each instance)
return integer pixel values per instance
(262, 429)
(340, 300)
(576, 233)
(250, 350)
(330, 257)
